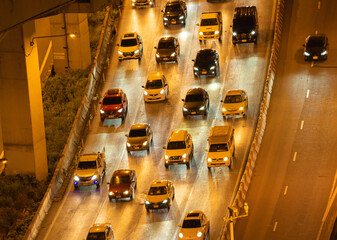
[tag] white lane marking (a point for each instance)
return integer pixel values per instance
(333, 185)
(295, 155)
(285, 190)
(275, 226)
(319, 5)
(302, 123)
(308, 91)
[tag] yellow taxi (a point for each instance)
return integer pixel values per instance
(235, 103)
(160, 195)
(156, 87)
(195, 226)
(131, 47)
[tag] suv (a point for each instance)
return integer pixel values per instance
(179, 149)
(131, 47)
(210, 26)
(235, 103)
(160, 195)
(123, 184)
(168, 50)
(221, 147)
(156, 87)
(316, 47)
(196, 102)
(175, 12)
(139, 138)
(142, 3)
(90, 170)
(245, 25)
(101, 231)
(195, 226)
(206, 63)
(114, 104)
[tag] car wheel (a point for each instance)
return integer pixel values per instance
(102, 119)
(119, 60)
(209, 169)
(98, 185)
(76, 187)
(185, 115)
(234, 43)
(166, 166)
(188, 165)
(173, 196)
(123, 118)
(168, 208)
(147, 210)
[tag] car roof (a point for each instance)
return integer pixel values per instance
(206, 51)
(138, 126)
(178, 135)
(196, 214)
(159, 183)
(166, 39)
(209, 15)
(155, 75)
(195, 91)
(113, 92)
(172, 2)
(88, 157)
(129, 35)
(234, 92)
(122, 172)
(98, 227)
(320, 36)
(244, 11)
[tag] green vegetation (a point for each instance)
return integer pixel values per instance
(95, 22)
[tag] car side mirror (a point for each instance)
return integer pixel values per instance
(206, 150)
(193, 60)
(204, 225)
(162, 11)
(100, 102)
(179, 225)
(303, 45)
(231, 26)
(182, 100)
(143, 87)
(221, 100)
(118, 44)
(165, 84)
(164, 147)
(155, 47)
(197, 24)
(126, 135)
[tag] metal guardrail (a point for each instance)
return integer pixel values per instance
(240, 197)
(79, 127)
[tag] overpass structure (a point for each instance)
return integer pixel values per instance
(35, 40)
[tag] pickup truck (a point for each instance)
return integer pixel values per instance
(210, 26)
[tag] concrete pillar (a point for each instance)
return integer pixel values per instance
(21, 109)
(70, 52)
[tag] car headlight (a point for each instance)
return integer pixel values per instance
(216, 32)
(252, 32)
(94, 177)
(212, 68)
(128, 144)
(145, 143)
(224, 109)
(209, 159)
(111, 193)
(162, 91)
(120, 110)
(136, 51)
(157, 55)
(225, 159)
(181, 17)
(145, 93)
(76, 178)
(147, 202)
(201, 33)
(199, 234)
(120, 52)
(184, 156)
(202, 108)
(133, 0)
(165, 19)
(165, 201)
(166, 157)
(196, 69)
(185, 109)
(181, 235)
(102, 111)
(234, 34)
(126, 192)
(173, 54)
(241, 108)
(324, 52)
(306, 54)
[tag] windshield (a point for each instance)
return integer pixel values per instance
(165, 45)
(194, 98)
(209, 22)
(120, 180)
(173, 8)
(315, 42)
(87, 165)
(205, 57)
(137, 133)
(218, 147)
(157, 191)
(244, 22)
(176, 145)
(96, 236)
(191, 223)
(154, 84)
(112, 100)
(233, 99)
(129, 42)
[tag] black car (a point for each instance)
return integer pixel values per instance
(316, 47)
(196, 102)
(168, 50)
(175, 12)
(206, 63)
(245, 25)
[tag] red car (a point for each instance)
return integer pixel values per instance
(114, 104)
(123, 184)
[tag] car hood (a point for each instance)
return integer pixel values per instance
(119, 187)
(128, 49)
(315, 50)
(175, 152)
(208, 28)
(190, 233)
(156, 198)
(111, 107)
(165, 52)
(85, 172)
(137, 140)
(232, 106)
(218, 154)
(204, 65)
(243, 29)
(190, 105)
(153, 91)
(173, 14)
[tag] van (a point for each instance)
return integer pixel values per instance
(221, 147)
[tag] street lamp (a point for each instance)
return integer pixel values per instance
(72, 35)
(233, 215)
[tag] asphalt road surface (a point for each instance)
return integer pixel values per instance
(296, 166)
(242, 67)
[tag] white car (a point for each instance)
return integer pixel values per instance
(195, 226)
(156, 87)
(160, 195)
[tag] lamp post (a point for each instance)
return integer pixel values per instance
(72, 35)
(233, 215)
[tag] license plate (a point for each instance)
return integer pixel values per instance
(111, 116)
(136, 147)
(314, 57)
(174, 22)
(155, 206)
(193, 113)
(118, 196)
(165, 58)
(244, 40)
(204, 72)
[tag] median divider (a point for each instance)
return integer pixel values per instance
(240, 196)
(78, 132)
